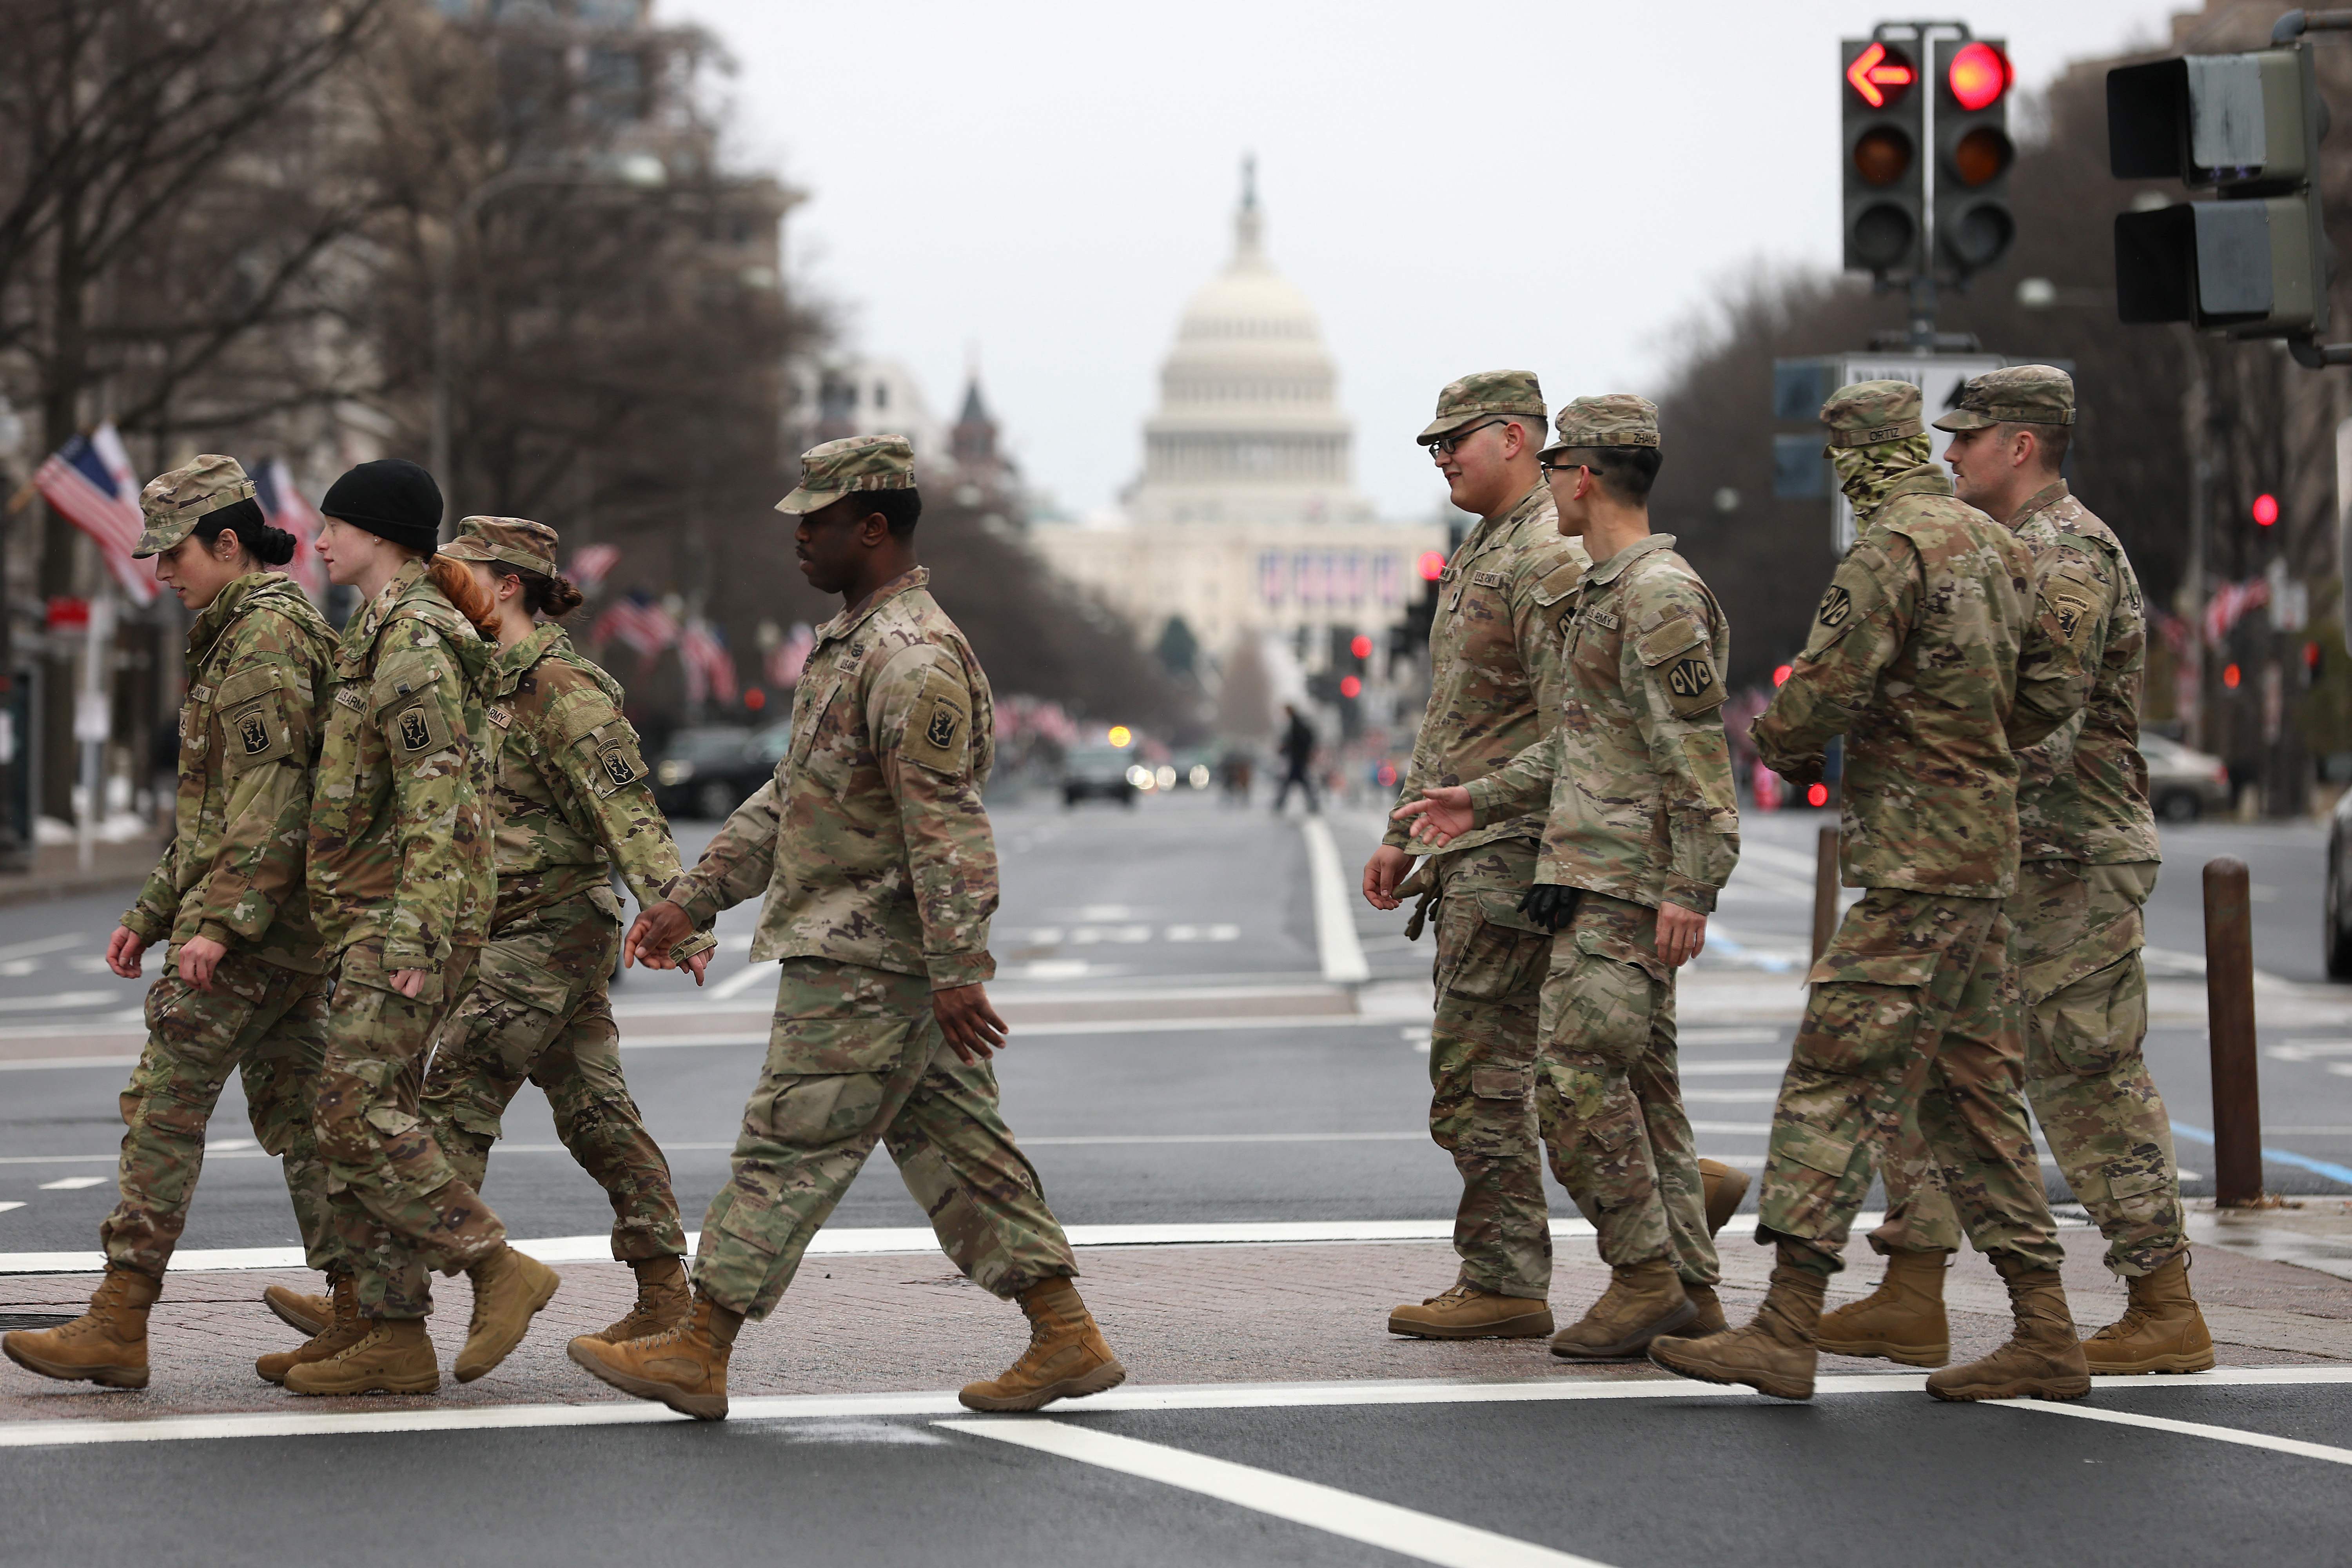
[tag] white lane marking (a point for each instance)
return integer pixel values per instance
(1349, 1394)
(5, 1208)
(43, 945)
(72, 1184)
(58, 1001)
(2187, 1428)
(42, 1064)
(1351, 1516)
(1732, 1096)
(736, 984)
(1061, 1027)
(1335, 919)
(866, 1241)
(1723, 1069)
(1728, 1034)
(1218, 932)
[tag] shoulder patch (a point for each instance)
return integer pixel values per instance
(415, 729)
(1559, 581)
(252, 681)
(616, 761)
(1691, 685)
(939, 725)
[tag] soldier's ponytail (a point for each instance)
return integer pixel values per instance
(457, 580)
(270, 546)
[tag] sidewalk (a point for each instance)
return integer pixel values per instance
(1185, 1314)
(57, 871)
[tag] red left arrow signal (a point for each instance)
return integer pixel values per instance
(1880, 75)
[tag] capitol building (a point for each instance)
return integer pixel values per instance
(1245, 521)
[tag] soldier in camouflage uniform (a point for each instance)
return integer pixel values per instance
(570, 801)
(402, 883)
(873, 851)
(241, 989)
(1914, 658)
(1642, 831)
(2088, 861)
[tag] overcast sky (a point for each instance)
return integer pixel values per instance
(1554, 186)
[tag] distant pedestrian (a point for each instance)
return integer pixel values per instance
(1298, 754)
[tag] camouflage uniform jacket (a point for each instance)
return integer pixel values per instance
(1495, 659)
(570, 796)
(259, 665)
(400, 831)
(871, 843)
(1914, 657)
(2083, 792)
(1638, 774)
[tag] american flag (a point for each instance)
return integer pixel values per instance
(284, 506)
(710, 667)
(790, 657)
(637, 621)
(2230, 602)
(590, 564)
(90, 483)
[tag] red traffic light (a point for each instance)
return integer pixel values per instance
(1817, 794)
(1780, 674)
(2265, 510)
(2230, 676)
(1351, 688)
(1980, 75)
(1432, 565)
(1881, 75)
(1362, 646)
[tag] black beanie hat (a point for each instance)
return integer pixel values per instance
(391, 498)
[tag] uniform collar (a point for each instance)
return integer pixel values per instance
(360, 635)
(1614, 567)
(510, 664)
(1492, 530)
(234, 599)
(1927, 479)
(849, 620)
(2048, 496)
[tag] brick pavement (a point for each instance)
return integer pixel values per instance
(1175, 1314)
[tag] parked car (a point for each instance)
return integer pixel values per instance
(708, 771)
(2183, 784)
(1098, 773)
(2336, 908)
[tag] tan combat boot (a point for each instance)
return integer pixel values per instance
(1642, 1301)
(1709, 1317)
(2041, 1359)
(393, 1356)
(684, 1366)
(299, 1310)
(509, 1288)
(1468, 1313)
(1067, 1358)
(345, 1328)
(663, 1300)
(1773, 1354)
(105, 1345)
(1724, 1186)
(1901, 1321)
(2161, 1331)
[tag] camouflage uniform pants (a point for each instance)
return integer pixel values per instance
(2079, 935)
(1481, 1053)
(265, 1023)
(856, 1058)
(540, 1009)
(1915, 1017)
(1608, 1097)
(399, 1207)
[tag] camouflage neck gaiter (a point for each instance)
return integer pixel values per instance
(1867, 473)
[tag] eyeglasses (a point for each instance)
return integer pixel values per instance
(1549, 469)
(1452, 443)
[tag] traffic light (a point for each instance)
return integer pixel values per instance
(1351, 656)
(1974, 227)
(2252, 262)
(1884, 185)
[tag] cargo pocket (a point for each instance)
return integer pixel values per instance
(1486, 950)
(812, 1110)
(1602, 1002)
(2095, 1024)
(1500, 1082)
(1865, 1011)
(1813, 1149)
(751, 1219)
(2135, 1190)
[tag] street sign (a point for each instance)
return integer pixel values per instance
(1939, 378)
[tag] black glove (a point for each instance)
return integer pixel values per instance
(1549, 905)
(1805, 771)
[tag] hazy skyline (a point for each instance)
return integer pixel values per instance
(1540, 186)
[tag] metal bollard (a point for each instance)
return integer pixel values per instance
(1825, 892)
(2230, 1021)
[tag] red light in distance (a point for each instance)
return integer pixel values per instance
(754, 698)
(1432, 565)
(2265, 510)
(1780, 674)
(1350, 686)
(1980, 75)
(1817, 794)
(2230, 676)
(1362, 646)
(1880, 75)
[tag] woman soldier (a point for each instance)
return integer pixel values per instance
(242, 987)
(401, 883)
(570, 803)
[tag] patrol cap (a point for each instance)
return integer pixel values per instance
(175, 502)
(515, 541)
(836, 469)
(1482, 396)
(1871, 412)
(1612, 419)
(2014, 394)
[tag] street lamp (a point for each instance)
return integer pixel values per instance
(641, 170)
